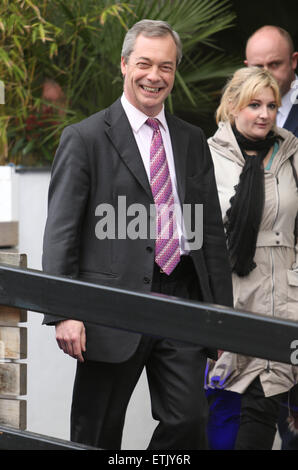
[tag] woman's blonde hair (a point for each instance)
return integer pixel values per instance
(241, 89)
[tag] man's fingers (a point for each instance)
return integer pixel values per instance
(72, 348)
(77, 350)
(60, 343)
(71, 338)
(66, 346)
(83, 340)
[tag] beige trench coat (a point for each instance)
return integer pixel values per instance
(272, 287)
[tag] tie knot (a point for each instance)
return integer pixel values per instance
(153, 123)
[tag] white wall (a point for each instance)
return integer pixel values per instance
(8, 194)
(50, 371)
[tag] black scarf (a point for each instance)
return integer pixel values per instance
(245, 214)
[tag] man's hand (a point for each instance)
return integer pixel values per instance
(219, 353)
(71, 338)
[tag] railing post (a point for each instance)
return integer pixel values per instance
(13, 350)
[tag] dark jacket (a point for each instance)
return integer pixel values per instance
(291, 123)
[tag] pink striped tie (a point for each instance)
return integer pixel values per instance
(167, 252)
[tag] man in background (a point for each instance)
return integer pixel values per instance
(272, 47)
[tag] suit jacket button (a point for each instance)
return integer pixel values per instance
(149, 249)
(147, 280)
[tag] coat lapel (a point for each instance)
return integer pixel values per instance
(121, 135)
(179, 139)
(291, 123)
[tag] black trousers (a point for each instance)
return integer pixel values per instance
(175, 373)
(258, 420)
(289, 439)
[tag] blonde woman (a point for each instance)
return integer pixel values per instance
(256, 167)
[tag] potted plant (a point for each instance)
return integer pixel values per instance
(59, 61)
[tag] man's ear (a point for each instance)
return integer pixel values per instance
(245, 62)
(294, 60)
(123, 66)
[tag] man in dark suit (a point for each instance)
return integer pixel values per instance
(272, 47)
(120, 155)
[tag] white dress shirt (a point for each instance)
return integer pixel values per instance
(286, 105)
(143, 135)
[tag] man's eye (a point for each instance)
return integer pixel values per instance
(143, 65)
(274, 65)
(166, 68)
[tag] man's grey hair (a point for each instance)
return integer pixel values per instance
(149, 28)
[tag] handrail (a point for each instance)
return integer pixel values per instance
(153, 314)
(13, 439)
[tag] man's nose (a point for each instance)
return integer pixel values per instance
(265, 67)
(153, 74)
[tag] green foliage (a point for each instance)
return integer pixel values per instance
(77, 43)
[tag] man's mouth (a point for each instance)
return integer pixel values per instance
(150, 89)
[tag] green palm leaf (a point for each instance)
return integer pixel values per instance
(78, 43)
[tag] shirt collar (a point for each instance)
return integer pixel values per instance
(137, 118)
(286, 102)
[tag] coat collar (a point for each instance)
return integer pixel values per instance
(224, 143)
(180, 142)
(121, 135)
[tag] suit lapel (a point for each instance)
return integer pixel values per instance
(179, 139)
(121, 135)
(291, 123)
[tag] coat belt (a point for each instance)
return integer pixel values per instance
(275, 238)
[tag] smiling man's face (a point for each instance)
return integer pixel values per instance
(149, 73)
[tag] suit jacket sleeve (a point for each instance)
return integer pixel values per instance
(68, 193)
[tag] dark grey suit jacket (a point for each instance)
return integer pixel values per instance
(97, 161)
(292, 120)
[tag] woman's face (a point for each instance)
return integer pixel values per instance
(258, 117)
